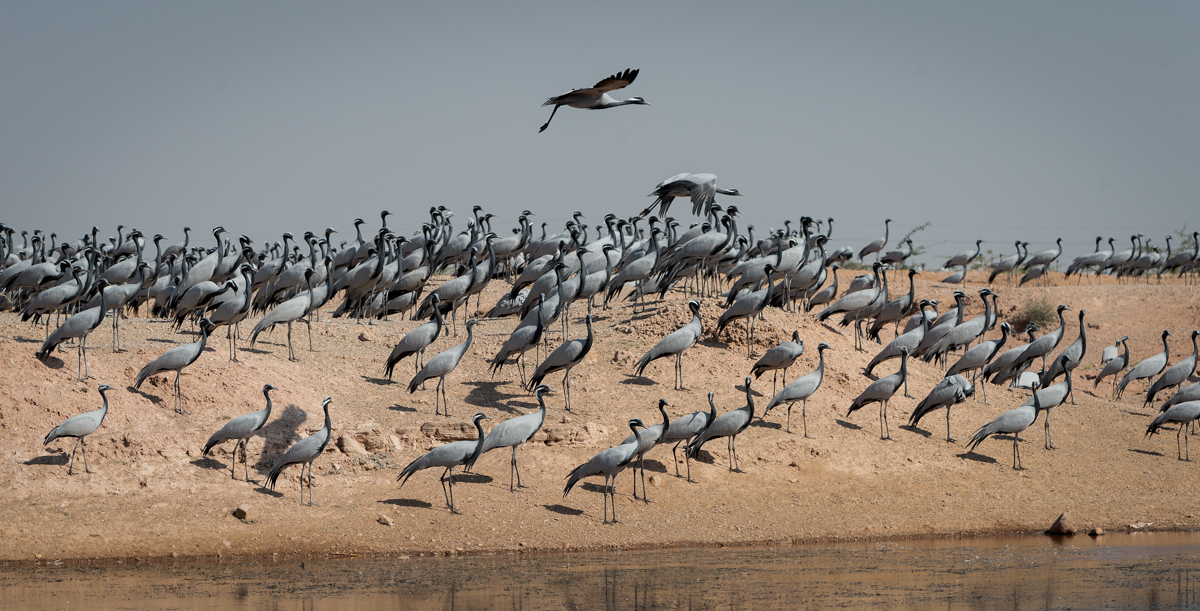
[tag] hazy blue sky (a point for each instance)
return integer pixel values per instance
(998, 121)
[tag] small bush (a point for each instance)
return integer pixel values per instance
(1036, 310)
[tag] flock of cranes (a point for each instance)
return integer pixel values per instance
(547, 276)
(386, 275)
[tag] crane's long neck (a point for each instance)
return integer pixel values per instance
(267, 394)
(103, 408)
(587, 343)
(749, 403)
(1082, 337)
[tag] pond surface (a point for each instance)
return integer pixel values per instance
(1132, 571)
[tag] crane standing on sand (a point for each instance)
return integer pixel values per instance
(608, 463)
(447, 455)
(242, 429)
(304, 452)
(80, 426)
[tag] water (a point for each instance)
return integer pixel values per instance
(1132, 571)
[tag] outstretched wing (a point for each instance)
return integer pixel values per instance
(616, 81)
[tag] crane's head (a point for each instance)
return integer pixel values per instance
(103, 387)
(821, 347)
(541, 390)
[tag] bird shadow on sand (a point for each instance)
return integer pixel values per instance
(563, 510)
(211, 464)
(826, 325)
(766, 425)
(255, 350)
(1138, 414)
(742, 388)
(265, 491)
(472, 478)
(849, 425)
(1146, 452)
(53, 362)
(278, 435)
(918, 430)
(155, 399)
(655, 466)
(638, 380)
(378, 381)
(590, 487)
(408, 503)
(488, 394)
(59, 459)
(977, 457)
(402, 408)
(27, 340)
(161, 341)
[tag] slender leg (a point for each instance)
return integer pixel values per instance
(83, 452)
(1017, 453)
(948, 425)
(442, 479)
(804, 417)
(71, 463)
(633, 474)
(83, 346)
(233, 464)
(308, 323)
(515, 469)
(178, 401)
(676, 456)
(291, 353)
(642, 468)
(789, 418)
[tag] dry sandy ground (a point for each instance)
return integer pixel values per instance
(152, 494)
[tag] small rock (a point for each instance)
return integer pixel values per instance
(174, 554)
(350, 446)
(39, 556)
(245, 513)
(364, 337)
(386, 521)
(1063, 525)
(1096, 532)
(656, 481)
(1140, 525)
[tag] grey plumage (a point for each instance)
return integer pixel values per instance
(1051, 398)
(909, 339)
(952, 390)
(440, 366)
(648, 438)
(675, 344)
(524, 337)
(684, 428)
(1043, 345)
(512, 433)
(1148, 368)
(608, 463)
(748, 306)
(1191, 392)
(304, 453)
(564, 358)
(447, 455)
(1183, 413)
(1012, 422)
(1074, 353)
(880, 391)
(175, 360)
(779, 357)
(415, 342)
(702, 189)
(77, 327)
(980, 355)
(1114, 366)
(800, 390)
(728, 425)
(1176, 375)
(876, 245)
(288, 312)
(595, 97)
(80, 426)
(242, 429)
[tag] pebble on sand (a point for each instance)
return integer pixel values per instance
(1063, 525)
